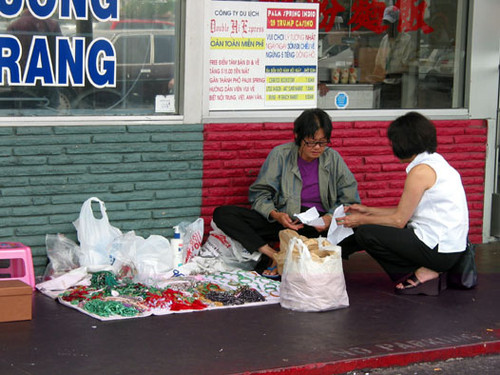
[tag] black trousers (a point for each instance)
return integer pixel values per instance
(251, 229)
(399, 251)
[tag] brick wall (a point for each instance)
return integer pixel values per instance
(235, 152)
(148, 176)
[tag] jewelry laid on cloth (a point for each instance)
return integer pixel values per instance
(429, 288)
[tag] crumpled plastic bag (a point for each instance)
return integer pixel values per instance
(62, 254)
(218, 244)
(141, 260)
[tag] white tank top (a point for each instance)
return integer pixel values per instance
(441, 218)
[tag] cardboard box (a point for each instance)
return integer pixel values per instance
(15, 301)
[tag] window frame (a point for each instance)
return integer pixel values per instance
(192, 79)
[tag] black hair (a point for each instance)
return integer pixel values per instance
(412, 134)
(309, 122)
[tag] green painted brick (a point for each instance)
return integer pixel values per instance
(24, 141)
(38, 150)
(85, 159)
(89, 129)
(17, 171)
(119, 138)
(34, 130)
(25, 160)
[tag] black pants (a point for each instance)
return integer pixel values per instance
(399, 251)
(251, 229)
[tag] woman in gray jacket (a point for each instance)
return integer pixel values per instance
(295, 177)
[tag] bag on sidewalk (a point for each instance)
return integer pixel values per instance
(310, 282)
(230, 251)
(463, 275)
(95, 235)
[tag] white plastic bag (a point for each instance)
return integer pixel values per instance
(309, 284)
(192, 238)
(141, 260)
(95, 235)
(232, 253)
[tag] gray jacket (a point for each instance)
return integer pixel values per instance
(279, 184)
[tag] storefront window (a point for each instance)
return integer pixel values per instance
(391, 54)
(68, 58)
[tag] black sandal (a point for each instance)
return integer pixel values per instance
(429, 288)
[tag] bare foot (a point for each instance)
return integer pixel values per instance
(272, 269)
(422, 274)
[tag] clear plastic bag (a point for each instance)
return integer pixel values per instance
(62, 254)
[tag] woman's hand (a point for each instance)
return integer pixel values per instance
(327, 219)
(286, 221)
(351, 221)
(356, 208)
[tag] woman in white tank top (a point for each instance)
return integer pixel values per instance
(421, 238)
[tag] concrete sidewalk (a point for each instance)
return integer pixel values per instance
(379, 329)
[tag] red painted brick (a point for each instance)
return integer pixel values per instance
(217, 155)
(356, 151)
(476, 131)
(462, 148)
(471, 139)
(364, 142)
(355, 133)
(213, 182)
(285, 126)
(220, 173)
(392, 167)
(387, 193)
(341, 125)
(371, 124)
(386, 159)
(357, 168)
(254, 154)
(364, 147)
(371, 185)
(442, 131)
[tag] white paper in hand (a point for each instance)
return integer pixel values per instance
(311, 217)
(337, 233)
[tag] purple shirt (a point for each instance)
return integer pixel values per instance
(310, 184)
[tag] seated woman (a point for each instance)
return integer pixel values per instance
(295, 177)
(425, 234)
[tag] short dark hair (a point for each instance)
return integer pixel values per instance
(412, 134)
(309, 122)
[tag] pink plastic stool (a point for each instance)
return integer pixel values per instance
(20, 263)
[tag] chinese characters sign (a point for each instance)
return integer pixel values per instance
(262, 55)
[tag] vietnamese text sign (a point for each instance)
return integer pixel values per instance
(262, 55)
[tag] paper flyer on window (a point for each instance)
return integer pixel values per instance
(262, 55)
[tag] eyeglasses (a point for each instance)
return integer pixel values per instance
(316, 143)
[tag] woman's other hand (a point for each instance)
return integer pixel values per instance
(286, 221)
(327, 219)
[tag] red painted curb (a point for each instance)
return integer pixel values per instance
(390, 360)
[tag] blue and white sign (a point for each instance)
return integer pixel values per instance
(341, 100)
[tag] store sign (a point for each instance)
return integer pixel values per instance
(262, 55)
(73, 62)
